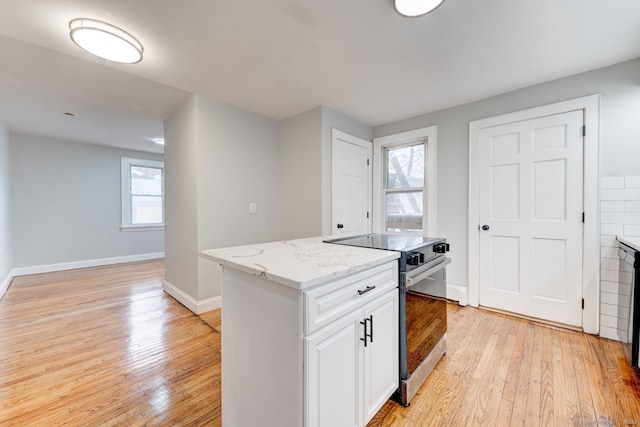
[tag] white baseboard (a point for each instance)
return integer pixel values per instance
(458, 293)
(185, 299)
(36, 269)
(4, 285)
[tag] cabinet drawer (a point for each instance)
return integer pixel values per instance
(326, 303)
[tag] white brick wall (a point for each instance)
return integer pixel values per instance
(619, 216)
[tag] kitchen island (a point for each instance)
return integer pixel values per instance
(309, 333)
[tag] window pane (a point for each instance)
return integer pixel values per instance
(405, 167)
(146, 210)
(146, 181)
(404, 211)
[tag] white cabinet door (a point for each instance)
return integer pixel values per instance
(347, 382)
(381, 371)
(332, 373)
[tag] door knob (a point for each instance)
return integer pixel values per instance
(340, 225)
(485, 227)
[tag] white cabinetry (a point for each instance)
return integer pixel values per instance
(333, 374)
(346, 381)
(351, 364)
(297, 357)
(381, 370)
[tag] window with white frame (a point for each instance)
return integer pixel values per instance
(404, 187)
(142, 193)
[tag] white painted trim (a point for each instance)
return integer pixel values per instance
(591, 245)
(458, 293)
(192, 304)
(430, 134)
(36, 269)
(125, 191)
(5, 284)
(337, 135)
(143, 228)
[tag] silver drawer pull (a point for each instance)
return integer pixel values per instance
(369, 288)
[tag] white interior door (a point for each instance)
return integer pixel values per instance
(351, 184)
(531, 217)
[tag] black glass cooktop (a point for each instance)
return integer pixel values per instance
(390, 242)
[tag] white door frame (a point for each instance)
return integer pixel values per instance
(338, 135)
(591, 245)
(379, 144)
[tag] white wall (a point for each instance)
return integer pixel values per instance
(65, 203)
(6, 255)
(619, 216)
(619, 86)
(218, 159)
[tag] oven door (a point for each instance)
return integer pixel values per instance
(424, 323)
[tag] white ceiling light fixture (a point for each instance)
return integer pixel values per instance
(413, 8)
(105, 41)
(159, 141)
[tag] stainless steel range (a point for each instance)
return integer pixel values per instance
(423, 307)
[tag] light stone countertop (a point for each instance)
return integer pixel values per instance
(299, 263)
(634, 242)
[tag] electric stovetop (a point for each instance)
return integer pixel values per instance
(390, 242)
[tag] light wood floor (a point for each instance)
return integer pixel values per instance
(105, 346)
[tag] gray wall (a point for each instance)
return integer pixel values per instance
(300, 175)
(6, 256)
(181, 199)
(305, 170)
(65, 203)
(237, 164)
(218, 159)
(619, 86)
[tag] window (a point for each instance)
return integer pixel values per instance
(404, 181)
(142, 193)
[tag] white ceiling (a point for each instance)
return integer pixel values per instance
(279, 58)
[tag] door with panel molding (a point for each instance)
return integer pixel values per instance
(531, 217)
(351, 184)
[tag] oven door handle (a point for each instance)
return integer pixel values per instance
(411, 280)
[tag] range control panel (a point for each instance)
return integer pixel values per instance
(423, 255)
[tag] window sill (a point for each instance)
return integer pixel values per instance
(142, 228)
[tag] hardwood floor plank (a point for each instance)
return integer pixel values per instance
(501, 415)
(561, 383)
(519, 415)
(547, 392)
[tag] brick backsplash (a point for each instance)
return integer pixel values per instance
(619, 216)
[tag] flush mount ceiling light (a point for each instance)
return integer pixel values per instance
(105, 40)
(413, 8)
